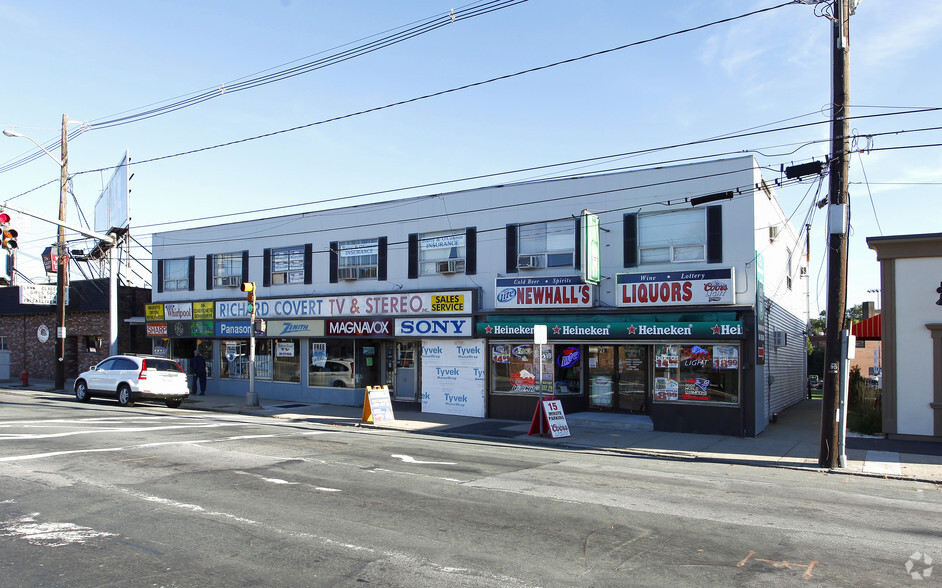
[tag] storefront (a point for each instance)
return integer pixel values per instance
(684, 370)
(672, 348)
(355, 341)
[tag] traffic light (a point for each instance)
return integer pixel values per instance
(8, 235)
(249, 289)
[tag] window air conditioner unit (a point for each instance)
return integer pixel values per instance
(230, 281)
(780, 338)
(529, 261)
(452, 266)
(348, 273)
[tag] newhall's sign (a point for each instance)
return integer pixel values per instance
(544, 292)
(688, 288)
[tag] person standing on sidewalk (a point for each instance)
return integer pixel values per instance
(198, 369)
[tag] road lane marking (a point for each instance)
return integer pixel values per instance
(32, 436)
(49, 534)
(409, 459)
(149, 445)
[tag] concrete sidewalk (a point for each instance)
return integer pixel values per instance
(792, 441)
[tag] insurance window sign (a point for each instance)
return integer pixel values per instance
(676, 288)
(544, 292)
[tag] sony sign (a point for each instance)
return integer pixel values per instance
(433, 327)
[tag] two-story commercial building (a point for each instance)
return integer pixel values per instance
(697, 319)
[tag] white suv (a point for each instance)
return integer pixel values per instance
(134, 377)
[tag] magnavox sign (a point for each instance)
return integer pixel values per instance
(543, 292)
(687, 288)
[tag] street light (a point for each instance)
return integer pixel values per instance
(63, 164)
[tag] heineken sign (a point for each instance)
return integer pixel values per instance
(624, 329)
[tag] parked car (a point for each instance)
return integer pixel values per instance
(814, 382)
(335, 372)
(130, 378)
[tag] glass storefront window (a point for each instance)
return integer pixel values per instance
(286, 365)
(234, 359)
(331, 364)
(696, 372)
(516, 370)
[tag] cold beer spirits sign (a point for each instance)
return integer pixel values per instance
(677, 288)
(543, 292)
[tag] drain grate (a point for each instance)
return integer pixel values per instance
(290, 405)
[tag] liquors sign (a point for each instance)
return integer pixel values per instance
(677, 288)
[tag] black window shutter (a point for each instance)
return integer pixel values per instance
(381, 260)
(245, 266)
(160, 275)
(308, 263)
(413, 256)
(209, 271)
(631, 239)
(471, 251)
(577, 262)
(334, 261)
(191, 263)
(714, 244)
(511, 238)
(266, 268)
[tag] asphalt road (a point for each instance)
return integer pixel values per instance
(96, 495)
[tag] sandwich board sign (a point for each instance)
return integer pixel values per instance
(377, 406)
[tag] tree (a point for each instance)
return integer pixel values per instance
(817, 326)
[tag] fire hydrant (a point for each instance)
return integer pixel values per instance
(24, 375)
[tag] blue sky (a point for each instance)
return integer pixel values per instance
(97, 60)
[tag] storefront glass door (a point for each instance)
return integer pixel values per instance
(405, 370)
(633, 378)
(618, 377)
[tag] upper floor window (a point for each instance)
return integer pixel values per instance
(287, 265)
(227, 269)
(358, 260)
(674, 236)
(442, 253)
(176, 274)
(549, 244)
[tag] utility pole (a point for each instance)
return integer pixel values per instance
(838, 200)
(62, 259)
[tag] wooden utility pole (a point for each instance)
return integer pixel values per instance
(62, 258)
(839, 201)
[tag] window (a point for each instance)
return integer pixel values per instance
(788, 268)
(672, 237)
(287, 265)
(176, 274)
(286, 364)
(698, 373)
(332, 364)
(273, 360)
(549, 244)
(227, 269)
(515, 369)
(358, 259)
(442, 253)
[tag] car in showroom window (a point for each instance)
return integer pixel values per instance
(130, 378)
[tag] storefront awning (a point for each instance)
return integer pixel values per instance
(868, 330)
